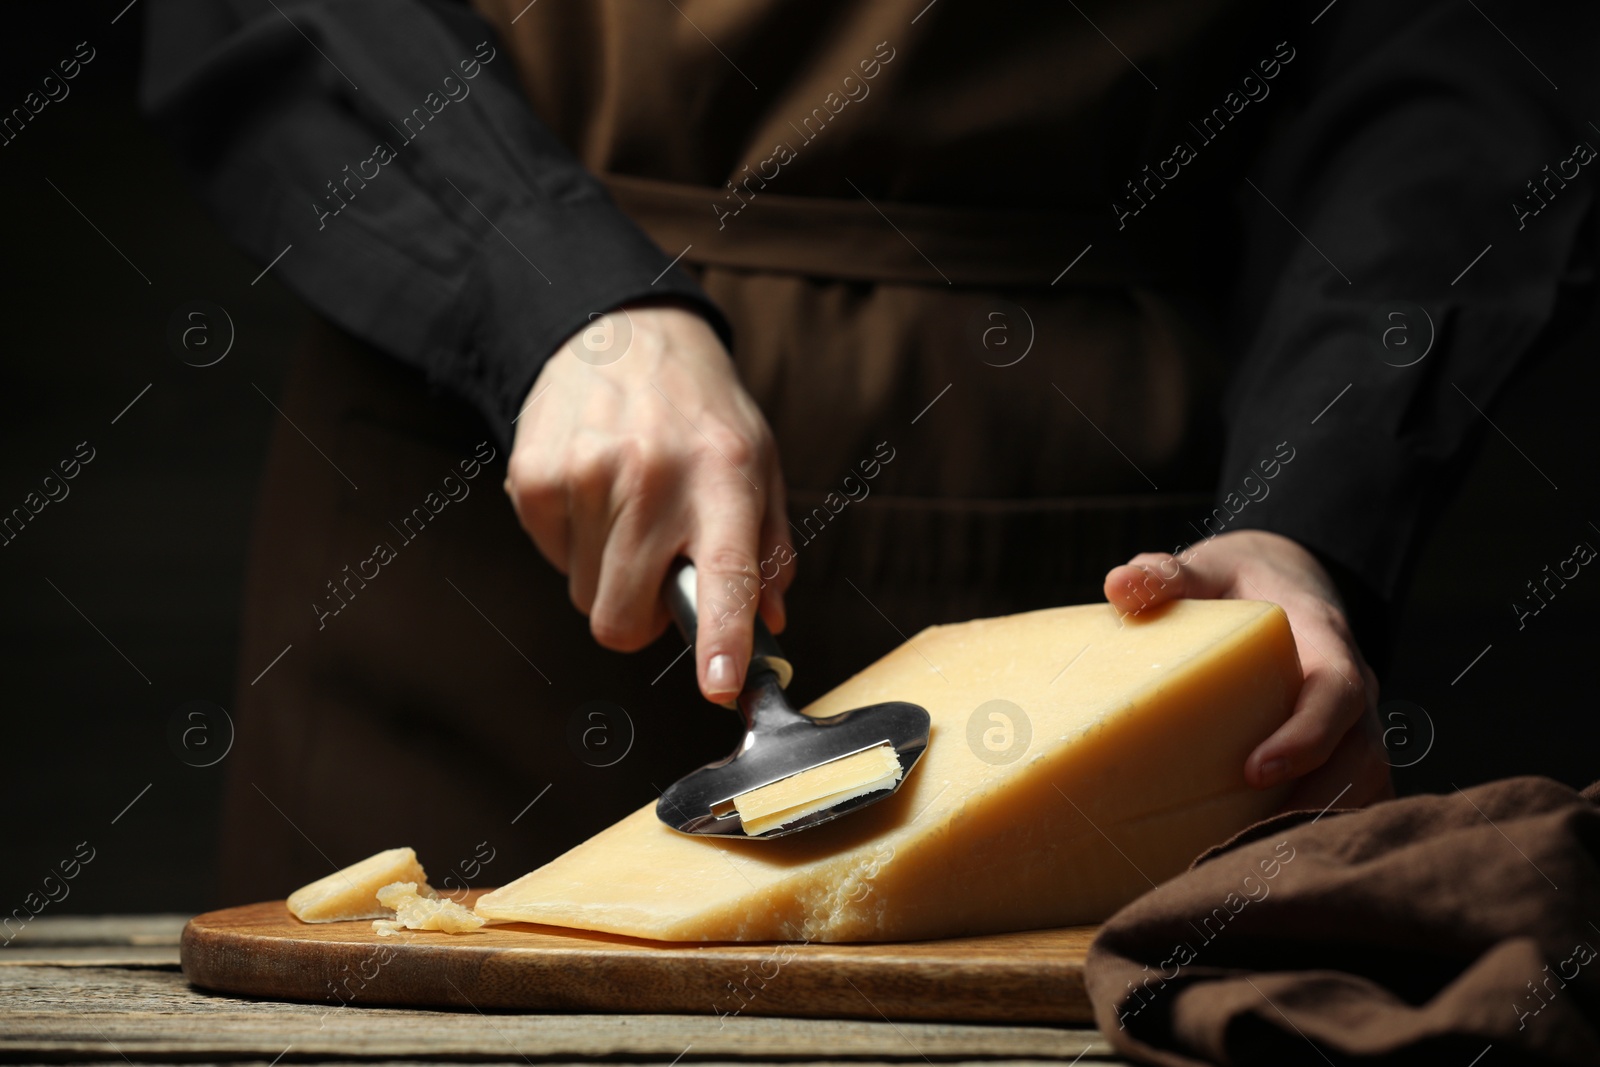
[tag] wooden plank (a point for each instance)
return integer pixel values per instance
(93, 956)
(262, 950)
(99, 930)
(97, 941)
(59, 1012)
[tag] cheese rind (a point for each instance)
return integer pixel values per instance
(816, 788)
(352, 892)
(1139, 731)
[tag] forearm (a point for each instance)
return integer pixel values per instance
(378, 154)
(1369, 349)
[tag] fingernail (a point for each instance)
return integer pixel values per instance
(1274, 771)
(721, 676)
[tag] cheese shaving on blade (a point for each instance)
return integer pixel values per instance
(818, 788)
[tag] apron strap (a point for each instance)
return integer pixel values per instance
(882, 241)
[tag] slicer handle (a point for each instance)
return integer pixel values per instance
(679, 592)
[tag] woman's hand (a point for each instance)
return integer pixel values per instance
(620, 464)
(1332, 740)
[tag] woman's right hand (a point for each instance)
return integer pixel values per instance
(621, 464)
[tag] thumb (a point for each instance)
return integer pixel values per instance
(1153, 578)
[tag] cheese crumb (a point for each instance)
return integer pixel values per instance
(422, 909)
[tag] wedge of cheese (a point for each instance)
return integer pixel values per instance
(1077, 758)
(352, 892)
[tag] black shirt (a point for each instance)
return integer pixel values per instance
(1439, 167)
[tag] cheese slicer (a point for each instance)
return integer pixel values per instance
(791, 771)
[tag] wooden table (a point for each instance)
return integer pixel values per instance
(107, 989)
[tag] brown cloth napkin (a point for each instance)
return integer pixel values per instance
(1422, 930)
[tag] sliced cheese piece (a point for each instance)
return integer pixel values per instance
(816, 788)
(422, 909)
(352, 893)
(1076, 759)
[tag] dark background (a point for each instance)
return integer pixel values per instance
(149, 545)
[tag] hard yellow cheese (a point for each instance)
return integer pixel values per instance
(1116, 757)
(422, 909)
(352, 892)
(811, 790)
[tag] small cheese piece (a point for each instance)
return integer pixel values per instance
(1076, 759)
(422, 910)
(816, 788)
(352, 893)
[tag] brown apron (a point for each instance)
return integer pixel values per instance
(899, 288)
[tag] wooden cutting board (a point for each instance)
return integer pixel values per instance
(261, 950)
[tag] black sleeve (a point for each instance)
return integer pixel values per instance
(379, 154)
(1410, 156)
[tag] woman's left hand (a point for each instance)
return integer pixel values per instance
(1331, 743)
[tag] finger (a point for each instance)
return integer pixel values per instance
(777, 566)
(774, 612)
(1153, 578)
(646, 532)
(1357, 774)
(540, 502)
(628, 611)
(726, 594)
(1331, 702)
(590, 509)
